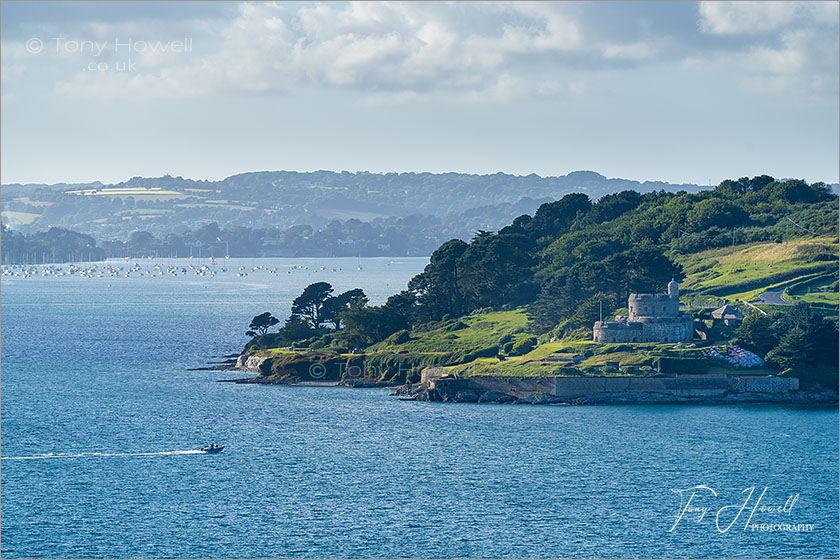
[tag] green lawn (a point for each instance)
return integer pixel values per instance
(472, 332)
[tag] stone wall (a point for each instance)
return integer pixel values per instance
(652, 305)
(583, 390)
(610, 331)
(645, 329)
(680, 329)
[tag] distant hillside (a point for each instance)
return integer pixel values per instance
(460, 203)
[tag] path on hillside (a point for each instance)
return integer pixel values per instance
(773, 298)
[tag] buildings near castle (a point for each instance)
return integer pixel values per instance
(730, 316)
(652, 318)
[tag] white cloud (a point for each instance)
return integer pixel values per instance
(400, 52)
(630, 51)
(783, 47)
(805, 61)
(470, 50)
(731, 18)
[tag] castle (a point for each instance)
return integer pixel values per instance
(652, 318)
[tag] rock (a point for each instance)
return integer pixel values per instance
(407, 390)
(496, 397)
(428, 395)
(250, 363)
(539, 398)
(461, 396)
(365, 383)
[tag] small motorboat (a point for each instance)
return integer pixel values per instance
(212, 448)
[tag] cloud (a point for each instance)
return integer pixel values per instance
(782, 47)
(732, 18)
(394, 52)
(803, 61)
(471, 51)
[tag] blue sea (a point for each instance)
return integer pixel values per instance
(101, 418)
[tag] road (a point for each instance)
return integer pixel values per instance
(773, 298)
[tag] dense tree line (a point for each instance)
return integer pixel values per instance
(796, 338)
(54, 245)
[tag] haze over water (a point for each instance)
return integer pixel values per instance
(101, 420)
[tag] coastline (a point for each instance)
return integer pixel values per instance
(663, 389)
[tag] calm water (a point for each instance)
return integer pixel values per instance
(96, 370)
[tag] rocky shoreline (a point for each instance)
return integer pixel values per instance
(664, 389)
(357, 383)
(495, 397)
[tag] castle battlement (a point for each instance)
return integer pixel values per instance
(651, 318)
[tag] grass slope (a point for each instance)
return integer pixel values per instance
(745, 271)
(473, 332)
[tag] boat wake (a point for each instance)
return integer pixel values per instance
(97, 454)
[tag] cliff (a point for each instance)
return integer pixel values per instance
(250, 363)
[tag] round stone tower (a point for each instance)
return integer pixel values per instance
(674, 289)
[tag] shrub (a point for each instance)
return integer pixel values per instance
(488, 352)
(265, 368)
(524, 346)
(399, 337)
(322, 342)
(508, 347)
(505, 339)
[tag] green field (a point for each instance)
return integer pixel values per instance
(214, 204)
(744, 272)
(19, 217)
(144, 212)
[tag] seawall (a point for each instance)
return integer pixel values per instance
(597, 390)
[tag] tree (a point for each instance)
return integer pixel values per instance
(755, 333)
(334, 305)
(794, 349)
(495, 270)
(365, 324)
(139, 240)
(553, 219)
(436, 288)
(401, 308)
(260, 324)
(309, 306)
(368, 325)
(592, 309)
(296, 329)
(716, 212)
(614, 205)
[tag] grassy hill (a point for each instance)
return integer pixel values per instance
(805, 268)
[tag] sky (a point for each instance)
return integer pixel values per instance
(676, 91)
